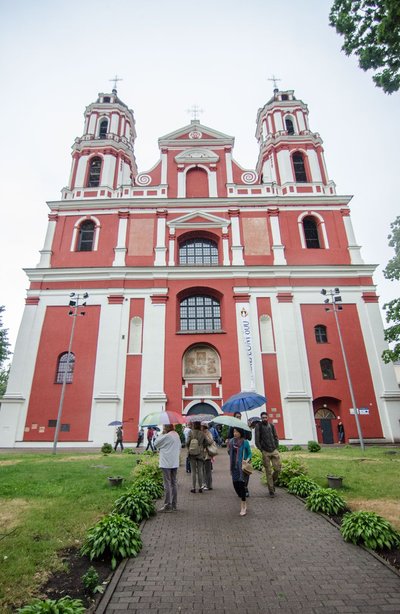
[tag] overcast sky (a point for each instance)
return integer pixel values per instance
(55, 57)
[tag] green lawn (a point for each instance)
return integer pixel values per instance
(47, 503)
(371, 479)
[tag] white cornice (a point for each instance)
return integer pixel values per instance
(108, 274)
(313, 202)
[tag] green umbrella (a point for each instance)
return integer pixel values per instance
(231, 421)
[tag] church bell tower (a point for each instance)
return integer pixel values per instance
(103, 159)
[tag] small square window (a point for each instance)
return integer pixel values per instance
(65, 428)
(52, 423)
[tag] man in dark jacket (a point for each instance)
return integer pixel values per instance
(267, 442)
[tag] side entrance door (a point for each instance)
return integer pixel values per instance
(326, 428)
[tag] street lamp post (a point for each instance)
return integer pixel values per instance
(334, 299)
(74, 313)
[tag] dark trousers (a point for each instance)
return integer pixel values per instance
(119, 443)
(240, 489)
(150, 445)
(170, 487)
(207, 473)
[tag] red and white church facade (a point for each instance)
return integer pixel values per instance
(204, 278)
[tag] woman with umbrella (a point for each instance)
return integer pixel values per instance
(239, 450)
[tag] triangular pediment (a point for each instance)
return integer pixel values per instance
(195, 134)
(199, 219)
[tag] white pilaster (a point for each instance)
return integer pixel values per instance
(314, 165)
(225, 247)
(171, 255)
(300, 120)
(181, 184)
(293, 372)
(164, 168)
(121, 249)
(109, 377)
(277, 247)
(45, 253)
(160, 250)
(285, 168)
(228, 164)
(152, 381)
(212, 183)
(81, 172)
(237, 248)
(354, 249)
(14, 405)
(383, 375)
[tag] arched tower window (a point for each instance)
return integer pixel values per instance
(299, 167)
(103, 128)
(320, 334)
(200, 252)
(86, 236)
(94, 173)
(311, 233)
(289, 125)
(200, 313)
(65, 368)
(327, 368)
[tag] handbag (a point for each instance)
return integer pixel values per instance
(212, 449)
(247, 467)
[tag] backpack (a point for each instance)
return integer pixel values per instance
(194, 447)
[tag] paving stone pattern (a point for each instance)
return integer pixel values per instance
(281, 557)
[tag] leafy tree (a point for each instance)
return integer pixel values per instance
(4, 354)
(371, 30)
(392, 272)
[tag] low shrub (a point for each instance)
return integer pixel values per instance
(302, 486)
(66, 605)
(325, 500)
(257, 459)
(148, 470)
(282, 448)
(106, 448)
(370, 530)
(291, 468)
(313, 446)
(148, 453)
(91, 582)
(115, 535)
(150, 488)
(135, 505)
(296, 448)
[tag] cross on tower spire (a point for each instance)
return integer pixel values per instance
(115, 79)
(274, 79)
(195, 110)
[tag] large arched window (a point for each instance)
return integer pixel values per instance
(327, 368)
(86, 236)
(289, 125)
(200, 313)
(94, 173)
(103, 128)
(311, 233)
(320, 334)
(200, 252)
(65, 368)
(299, 168)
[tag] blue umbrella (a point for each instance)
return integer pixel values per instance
(115, 423)
(243, 401)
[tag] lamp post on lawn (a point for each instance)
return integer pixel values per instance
(74, 312)
(334, 299)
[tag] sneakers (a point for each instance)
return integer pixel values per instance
(193, 490)
(200, 490)
(205, 488)
(165, 508)
(271, 493)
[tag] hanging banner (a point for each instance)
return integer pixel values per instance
(248, 342)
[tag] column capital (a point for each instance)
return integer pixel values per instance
(123, 215)
(53, 217)
(162, 212)
(234, 212)
(273, 211)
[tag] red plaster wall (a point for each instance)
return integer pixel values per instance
(104, 255)
(45, 394)
(132, 381)
(357, 362)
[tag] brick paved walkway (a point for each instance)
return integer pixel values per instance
(282, 558)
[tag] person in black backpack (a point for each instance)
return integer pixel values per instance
(195, 445)
(267, 442)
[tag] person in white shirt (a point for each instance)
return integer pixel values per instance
(169, 446)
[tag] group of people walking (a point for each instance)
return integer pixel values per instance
(201, 449)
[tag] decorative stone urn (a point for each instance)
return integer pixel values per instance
(335, 481)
